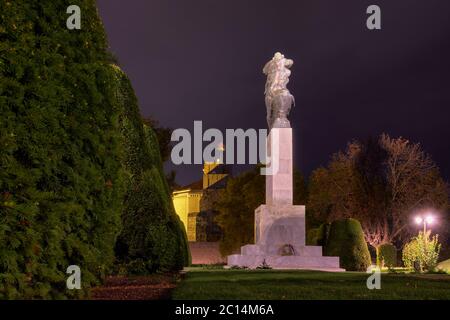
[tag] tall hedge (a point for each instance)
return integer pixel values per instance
(65, 162)
(346, 240)
(153, 238)
(60, 141)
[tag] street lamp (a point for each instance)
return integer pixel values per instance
(426, 220)
(419, 220)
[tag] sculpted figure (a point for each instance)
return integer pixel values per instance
(277, 96)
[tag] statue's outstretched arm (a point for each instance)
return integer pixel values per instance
(289, 63)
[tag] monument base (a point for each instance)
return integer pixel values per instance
(280, 242)
(320, 263)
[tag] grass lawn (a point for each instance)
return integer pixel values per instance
(201, 283)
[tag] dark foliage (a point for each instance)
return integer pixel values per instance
(386, 255)
(237, 204)
(152, 238)
(346, 240)
(318, 236)
(64, 126)
(60, 177)
(163, 135)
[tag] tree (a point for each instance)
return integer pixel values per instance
(346, 241)
(386, 255)
(61, 181)
(163, 135)
(237, 204)
(380, 183)
(171, 180)
(64, 162)
(152, 238)
(422, 252)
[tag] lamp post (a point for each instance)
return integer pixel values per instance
(427, 220)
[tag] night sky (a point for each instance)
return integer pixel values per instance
(202, 60)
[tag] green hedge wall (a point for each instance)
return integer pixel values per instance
(60, 161)
(65, 161)
(153, 238)
(346, 240)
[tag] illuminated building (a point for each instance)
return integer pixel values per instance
(194, 205)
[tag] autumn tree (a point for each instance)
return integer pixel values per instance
(381, 182)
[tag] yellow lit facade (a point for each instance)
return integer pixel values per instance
(187, 206)
(209, 176)
(187, 200)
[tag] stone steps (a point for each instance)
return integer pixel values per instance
(286, 262)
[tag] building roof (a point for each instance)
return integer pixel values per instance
(197, 185)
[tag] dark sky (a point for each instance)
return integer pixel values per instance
(202, 60)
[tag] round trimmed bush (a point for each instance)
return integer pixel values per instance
(346, 240)
(386, 255)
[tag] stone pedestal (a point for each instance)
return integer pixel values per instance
(279, 185)
(280, 225)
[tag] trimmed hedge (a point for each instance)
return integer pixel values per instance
(60, 162)
(63, 169)
(153, 238)
(346, 240)
(386, 255)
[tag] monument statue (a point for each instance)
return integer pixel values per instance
(278, 98)
(279, 224)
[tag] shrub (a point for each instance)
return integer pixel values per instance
(62, 156)
(318, 236)
(60, 145)
(421, 253)
(264, 265)
(153, 238)
(235, 267)
(346, 240)
(386, 255)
